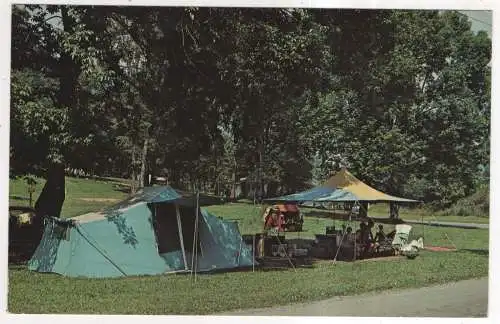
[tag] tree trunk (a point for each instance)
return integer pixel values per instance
(142, 175)
(260, 180)
(233, 191)
(133, 184)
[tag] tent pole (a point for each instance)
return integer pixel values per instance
(423, 227)
(181, 237)
(194, 238)
(197, 231)
(194, 244)
(253, 252)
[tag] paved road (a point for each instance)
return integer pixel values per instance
(461, 299)
(449, 224)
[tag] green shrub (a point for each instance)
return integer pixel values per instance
(477, 204)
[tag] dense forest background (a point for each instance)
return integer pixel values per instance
(281, 97)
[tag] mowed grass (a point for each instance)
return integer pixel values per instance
(31, 292)
(212, 293)
(420, 213)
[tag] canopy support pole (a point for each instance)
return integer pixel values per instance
(181, 237)
(339, 247)
(355, 239)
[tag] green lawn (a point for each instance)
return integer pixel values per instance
(382, 210)
(31, 292)
(82, 195)
(179, 294)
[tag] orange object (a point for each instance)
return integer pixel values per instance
(288, 208)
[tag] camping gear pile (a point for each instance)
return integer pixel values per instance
(23, 233)
(348, 246)
(283, 218)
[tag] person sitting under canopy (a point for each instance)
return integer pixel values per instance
(380, 235)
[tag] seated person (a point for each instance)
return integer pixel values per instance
(379, 238)
(348, 231)
(367, 241)
(272, 219)
(360, 232)
(380, 235)
(281, 221)
(366, 234)
(371, 224)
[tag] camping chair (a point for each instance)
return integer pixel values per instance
(401, 237)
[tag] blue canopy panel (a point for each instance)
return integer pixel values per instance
(342, 195)
(338, 195)
(308, 195)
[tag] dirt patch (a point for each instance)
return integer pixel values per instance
(439, 249)
(385, 258)
(100, 199)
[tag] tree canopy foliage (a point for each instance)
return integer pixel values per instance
(283, 97)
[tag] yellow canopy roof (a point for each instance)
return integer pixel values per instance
(347, 182)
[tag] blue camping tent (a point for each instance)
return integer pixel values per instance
(152, 232)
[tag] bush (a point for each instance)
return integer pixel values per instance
(477, 204)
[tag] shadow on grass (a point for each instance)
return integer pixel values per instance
(18, 261)
(23, 241)
(19, 198)
(452, 225)
(481, 252)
